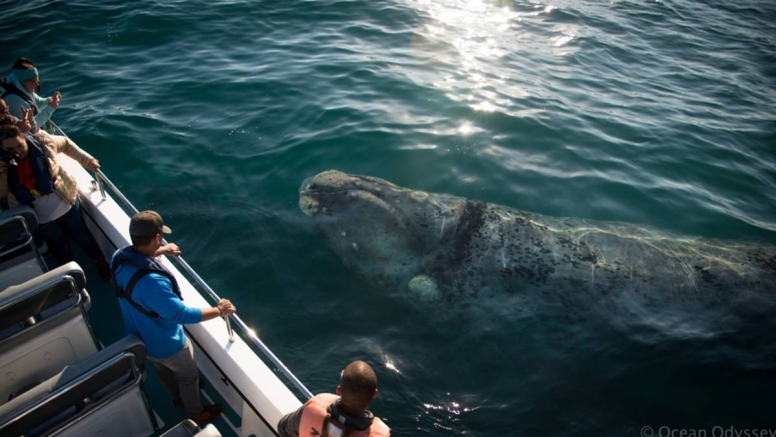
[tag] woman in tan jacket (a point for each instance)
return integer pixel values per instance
(35, 178)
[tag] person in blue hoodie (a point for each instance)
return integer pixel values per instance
(19, 90)
(153, 309)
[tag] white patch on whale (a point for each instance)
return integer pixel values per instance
(424, 288)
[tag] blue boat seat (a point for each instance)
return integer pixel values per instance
(43, 328)
(101, 395)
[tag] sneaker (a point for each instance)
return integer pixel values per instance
(178, 402)
(208, 414)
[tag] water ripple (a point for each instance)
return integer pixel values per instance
(651, 112)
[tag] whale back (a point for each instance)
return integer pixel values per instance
(442, 248)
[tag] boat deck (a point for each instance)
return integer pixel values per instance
(240, 372)
(108, 327)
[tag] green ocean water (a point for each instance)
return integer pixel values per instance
(658, 113)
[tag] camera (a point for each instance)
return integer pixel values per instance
(10, 158)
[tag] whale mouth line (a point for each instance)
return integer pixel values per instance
(310, 193)
(342, 183)
(313, 204)
(315, 192)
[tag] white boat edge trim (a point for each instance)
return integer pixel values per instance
(248, 385)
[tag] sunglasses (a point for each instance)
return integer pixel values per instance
(35, 81)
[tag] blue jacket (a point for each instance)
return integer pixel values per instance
(154, 292)
(21, 98)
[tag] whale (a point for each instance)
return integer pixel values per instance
(440, 249)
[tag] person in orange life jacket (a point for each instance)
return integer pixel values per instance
(341, 415)
(153, 309)
(35, 178)
(20, 89)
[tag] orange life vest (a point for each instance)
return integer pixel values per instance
(315, 417)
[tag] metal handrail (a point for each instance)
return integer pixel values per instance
(102, 179)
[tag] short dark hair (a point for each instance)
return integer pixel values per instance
(23, 64)
(141, 241)
(8, 129)
(358, 383)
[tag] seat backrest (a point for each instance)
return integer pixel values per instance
(101, 395)
(25, 212)
(43, 328)
(20, 259)
(188, 428)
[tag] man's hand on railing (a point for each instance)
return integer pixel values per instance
(170, 249)
(226, 307)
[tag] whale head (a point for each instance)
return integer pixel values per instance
(376, 227)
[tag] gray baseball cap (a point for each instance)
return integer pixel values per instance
(147, 224)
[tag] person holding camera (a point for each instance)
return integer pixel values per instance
(20, 90)
(30, 175)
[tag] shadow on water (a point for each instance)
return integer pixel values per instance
(469, 371)
(600, 375)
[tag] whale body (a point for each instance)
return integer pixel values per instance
(439, 248)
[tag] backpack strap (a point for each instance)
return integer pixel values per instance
(327, 423)
(137, 276)
(325, 426)
(127, 294)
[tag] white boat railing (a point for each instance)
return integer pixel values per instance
(103, 180)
